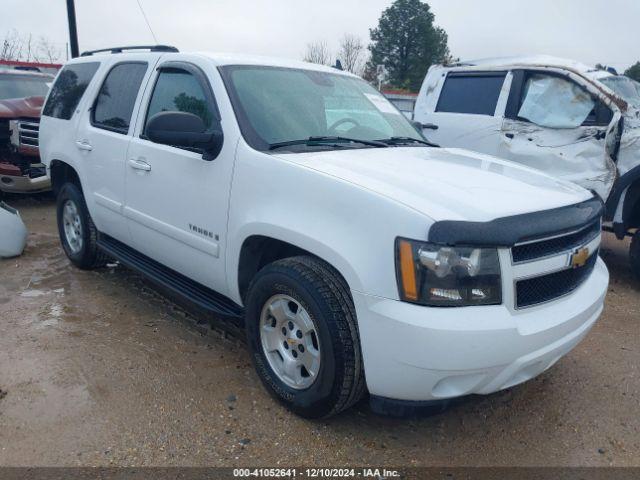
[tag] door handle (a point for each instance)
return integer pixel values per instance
(139, 164)
(424, 126)
(509, 135)
(84, 145)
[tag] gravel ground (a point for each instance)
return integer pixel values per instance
(98, 369)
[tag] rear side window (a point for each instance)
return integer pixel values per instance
(471, 93)
(68, 89)
(177, 90)
(117, 97)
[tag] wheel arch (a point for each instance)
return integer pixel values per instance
(631, 206)
(260, 248)
(61, 172)
(623, 204)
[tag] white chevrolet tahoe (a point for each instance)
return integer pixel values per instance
(297, 200)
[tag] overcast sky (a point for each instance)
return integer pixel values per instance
(605, 31)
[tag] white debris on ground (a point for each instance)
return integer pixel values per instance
(13, 232)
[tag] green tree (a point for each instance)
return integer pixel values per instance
(633, 72)
(407, 43)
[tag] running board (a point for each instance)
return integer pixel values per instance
(202, 298)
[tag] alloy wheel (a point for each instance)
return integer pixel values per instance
(290, 341)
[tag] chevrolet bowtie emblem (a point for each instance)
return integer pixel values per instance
(580, 257)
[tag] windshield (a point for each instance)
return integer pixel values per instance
(628, 89)
(21, 86)
(278, 105)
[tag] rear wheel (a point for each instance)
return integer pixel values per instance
(634, 254)
(78, 234)
(302, 332)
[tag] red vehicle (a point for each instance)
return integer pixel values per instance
(22, 94)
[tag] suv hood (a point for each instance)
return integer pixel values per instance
(21, 107)
(446, 184)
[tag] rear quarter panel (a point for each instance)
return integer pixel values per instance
(58, 136)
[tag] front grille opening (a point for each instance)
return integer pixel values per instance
(533, 291)
(545, 248)
(29, 133)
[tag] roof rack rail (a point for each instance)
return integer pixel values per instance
(151, 48)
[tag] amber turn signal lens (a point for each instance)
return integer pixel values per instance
(407, 271)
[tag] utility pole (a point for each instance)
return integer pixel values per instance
(73, 29)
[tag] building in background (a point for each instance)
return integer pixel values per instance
(403, 100)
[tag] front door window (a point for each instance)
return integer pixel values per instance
(554, 102)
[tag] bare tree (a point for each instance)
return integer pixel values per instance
(4, 51)
(49, 51)
(11, 46)
(318, 52)
(351, 54)
(19, 47)
(31, 54)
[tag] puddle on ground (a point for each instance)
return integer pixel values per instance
(56, 310)
(53, 315)
(51, 322)
(34, 293)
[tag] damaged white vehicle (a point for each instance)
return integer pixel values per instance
(570, 120)
(13, 233)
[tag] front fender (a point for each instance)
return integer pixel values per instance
(284, 234)
(348, 226)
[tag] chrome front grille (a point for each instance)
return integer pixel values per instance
(542, 289)
(28, 133)
(553, 267)
(25, 133)
(551, 246)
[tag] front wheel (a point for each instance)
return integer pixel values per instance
(303, 337)
(634, 254)
(78, 234)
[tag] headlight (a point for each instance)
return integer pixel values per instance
(440, 276)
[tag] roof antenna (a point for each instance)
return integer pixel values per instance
(147, 21)
(338, 65)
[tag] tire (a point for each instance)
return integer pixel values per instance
(634, 254)
(81, 245)
(311, 284)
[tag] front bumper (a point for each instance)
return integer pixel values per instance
(24, 184)
(418, 353)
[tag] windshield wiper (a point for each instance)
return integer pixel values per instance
(405, 140)
(324, 140)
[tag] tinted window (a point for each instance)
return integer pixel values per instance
(117, 97)
(474, 94)
(68, 89)
(179, 91)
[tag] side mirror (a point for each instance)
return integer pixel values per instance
(182, 129)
